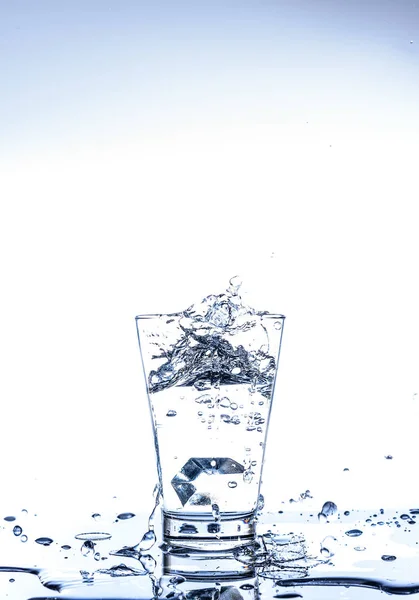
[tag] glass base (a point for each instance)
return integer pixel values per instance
(196, 532)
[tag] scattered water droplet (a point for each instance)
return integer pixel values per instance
(388, 557)
(171, 413)
(96, 556)
(125, 516)
(261, 502)
(66, 547)
(148, 563)
(44, 541)
(360, 548)
(388, 457)
(87, 548)
(23, 538)
(353, 533)
(93, 536)
(11, 580)
(10, 519)
(329, 509)
(148, 541)
(234, 406)
(347, 513)
(232, 484)
(278, 325)
(17, 530)
(328, 546)
(96, 516)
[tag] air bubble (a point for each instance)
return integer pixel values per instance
(23, 538)
(225, 402)
(248, 476)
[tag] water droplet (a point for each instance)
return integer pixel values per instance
(388, 557)
(235, 420)
(235, 284)
(347, 513)
(44, 541)
(216, 512)
(200, 413)
(148, 541)
(11, 580)
(23, 538)
(87, 548)
(405, 517)
(346, 469)
(96, 556)
(353, 532)
(360, 548)
(93, 536)
(388, 457)
(148, 563)
(261, 502)
(125, 516)
(278, 325)
(322, 518)
(328, 546)
(10, 519)
(24, 511)
(233, 406)
(329, 509)
(232, 484)
(17, 530)
(66, 547)
(171, 413)
(96, 516)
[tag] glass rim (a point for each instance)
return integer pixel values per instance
(179, 314)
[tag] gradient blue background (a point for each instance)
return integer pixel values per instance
(151, 150)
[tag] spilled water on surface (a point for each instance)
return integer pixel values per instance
(313, 560)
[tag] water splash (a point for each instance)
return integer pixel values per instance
(202, 356)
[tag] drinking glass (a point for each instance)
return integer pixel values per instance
(210, 390)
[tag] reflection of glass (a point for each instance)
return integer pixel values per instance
(197, 587)
(210, 389)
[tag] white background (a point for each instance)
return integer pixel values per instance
(310, 198)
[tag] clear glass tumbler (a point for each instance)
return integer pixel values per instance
(210, 382)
